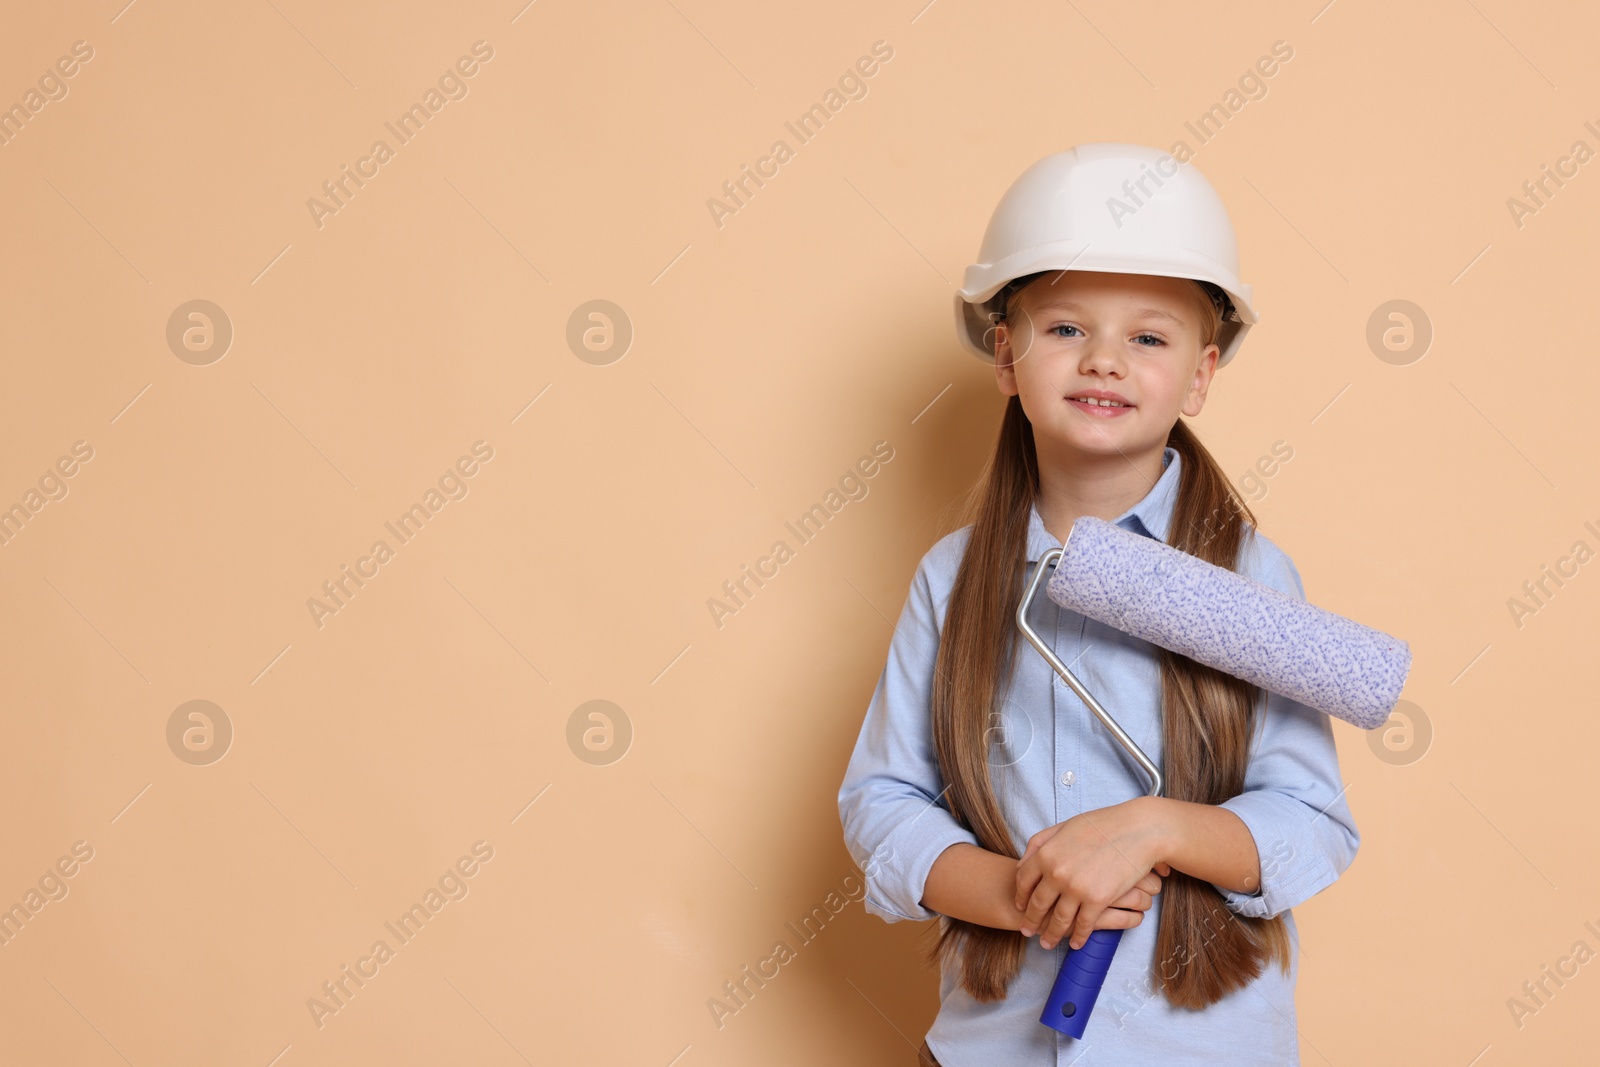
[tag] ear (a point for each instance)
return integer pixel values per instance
(1005, 371)
(1195, 399)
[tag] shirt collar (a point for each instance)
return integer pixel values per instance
(1151, 516)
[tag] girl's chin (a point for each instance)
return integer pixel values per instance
(1110, 440)
(1079, 429)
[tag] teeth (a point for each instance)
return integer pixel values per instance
(1100, 403)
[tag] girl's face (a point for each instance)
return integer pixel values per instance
(1134, 335)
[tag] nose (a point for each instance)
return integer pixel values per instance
(1102, 355)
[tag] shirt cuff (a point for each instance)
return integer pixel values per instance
(1294, 867)
(898, 871)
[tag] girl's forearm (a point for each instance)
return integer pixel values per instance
(972, 883)
(1201, 840)
(1207, 842)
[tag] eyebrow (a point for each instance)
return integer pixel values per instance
(1153, 313)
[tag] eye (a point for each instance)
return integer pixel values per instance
(1152, 337)
(1062, 326)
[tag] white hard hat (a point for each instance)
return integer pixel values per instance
(1119, 208)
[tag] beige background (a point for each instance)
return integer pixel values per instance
(431, 712)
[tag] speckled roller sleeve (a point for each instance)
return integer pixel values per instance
(1232, 623)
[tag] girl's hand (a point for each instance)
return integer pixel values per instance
(1073, 872)
(1127, 911)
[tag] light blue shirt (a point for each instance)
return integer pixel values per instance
(1052, 760)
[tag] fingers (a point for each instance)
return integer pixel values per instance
(1163, 870)
(1135, 899)
(1118, 919)
(1035, 897)
(1074, 922)
(1110, 919)
(1057, 915)
(1060, 921)
(1040, 906)
(1087, 921)
(1028, 883)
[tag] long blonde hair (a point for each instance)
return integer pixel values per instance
(1205, 951)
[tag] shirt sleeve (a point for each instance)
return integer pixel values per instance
(1293, 800)
(891, 803)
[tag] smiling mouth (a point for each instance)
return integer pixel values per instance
(1100, 408)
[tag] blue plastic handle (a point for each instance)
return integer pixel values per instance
(1078, 985)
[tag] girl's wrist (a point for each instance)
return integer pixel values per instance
(1160, 818)
(1204, 841)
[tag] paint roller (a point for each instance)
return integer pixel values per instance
(1217, 617)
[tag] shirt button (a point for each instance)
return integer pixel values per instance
(1067, 777)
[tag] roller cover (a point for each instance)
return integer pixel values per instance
(1235, 624)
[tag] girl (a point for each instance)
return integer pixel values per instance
(981, 790)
